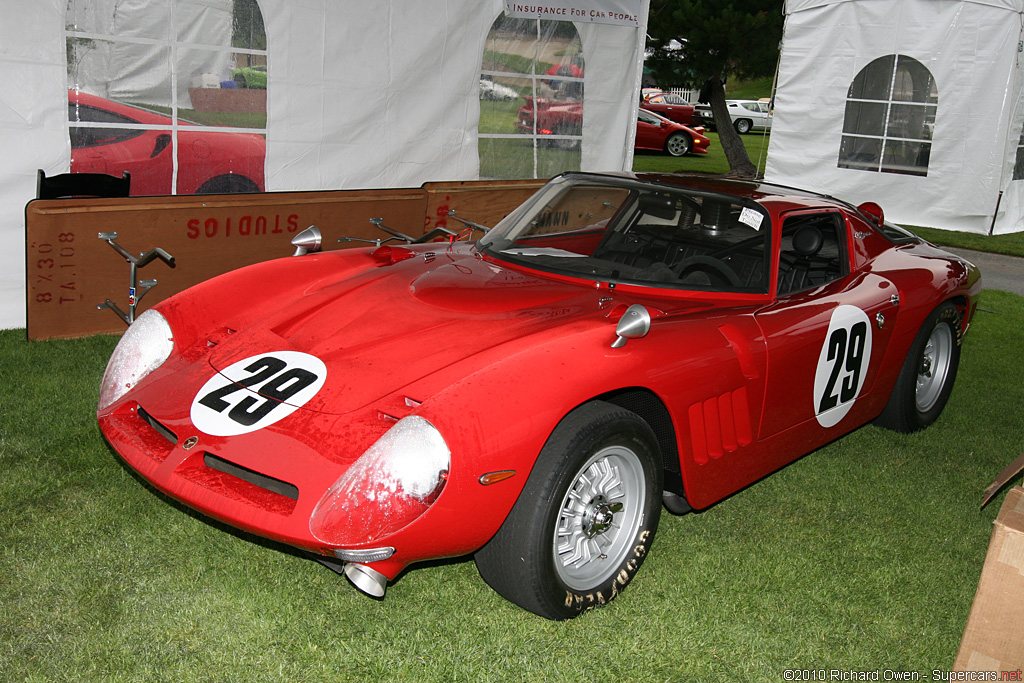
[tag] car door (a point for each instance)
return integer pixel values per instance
(145, 154)
(649, 133)
(826, 334)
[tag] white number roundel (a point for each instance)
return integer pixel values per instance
(257, 392)
(842, 364)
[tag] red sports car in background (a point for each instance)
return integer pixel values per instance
(658, 134)
(616, 343)
(653, 133)
(208, 161)
(670, 106)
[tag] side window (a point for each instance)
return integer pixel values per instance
(890, 116)
(813, 251)
(172, 91)
(647, 117)
(83, 136)
(531, 99)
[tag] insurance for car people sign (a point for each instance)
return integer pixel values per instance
(622, 12)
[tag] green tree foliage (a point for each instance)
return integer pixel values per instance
(719, 39)
(247, 26)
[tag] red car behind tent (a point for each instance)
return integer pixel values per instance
(139, 141)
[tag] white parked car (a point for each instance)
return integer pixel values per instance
(747, 115)
(489, 90)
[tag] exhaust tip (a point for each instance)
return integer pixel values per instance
(369, 581)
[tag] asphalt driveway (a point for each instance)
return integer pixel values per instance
(997, 271)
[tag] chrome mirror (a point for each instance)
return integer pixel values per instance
(634, 323)
(307, 241)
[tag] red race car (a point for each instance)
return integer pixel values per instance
(551, 117)
(533, 398)
(657, 134)
(209, 162)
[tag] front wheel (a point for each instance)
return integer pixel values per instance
(678, 144)
(926, 379)
(585, 519)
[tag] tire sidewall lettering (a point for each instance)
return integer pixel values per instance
(230, 403)
(580, 602)
(842, 364)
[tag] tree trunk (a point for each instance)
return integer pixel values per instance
(740, 165)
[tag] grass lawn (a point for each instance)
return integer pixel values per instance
(712, 162)
(864, 555)
(749, 90)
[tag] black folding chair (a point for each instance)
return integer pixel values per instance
(82, 185)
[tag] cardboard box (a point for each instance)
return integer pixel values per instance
(994, 636)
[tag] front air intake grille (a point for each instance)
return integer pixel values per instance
(281, 488)
(159, 428)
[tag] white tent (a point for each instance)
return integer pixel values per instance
(360, 95)
(913, 104)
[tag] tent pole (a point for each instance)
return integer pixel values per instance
(992, 227)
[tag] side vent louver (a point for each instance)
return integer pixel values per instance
(720, 425)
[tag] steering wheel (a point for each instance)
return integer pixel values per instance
(715, 269)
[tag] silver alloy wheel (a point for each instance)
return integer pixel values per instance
(934, 367)
(599, 517)
(678, 144)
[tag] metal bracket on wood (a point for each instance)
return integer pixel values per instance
(134, 287)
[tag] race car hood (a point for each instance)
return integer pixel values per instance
(381, 330)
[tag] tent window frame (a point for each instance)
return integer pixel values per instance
(888, 124)
(537, 78)
(82, 129)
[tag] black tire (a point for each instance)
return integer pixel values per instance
(743, 125)
(678, 144)
(927, 377)
(228, 184)
(559, 552)
(566, 129)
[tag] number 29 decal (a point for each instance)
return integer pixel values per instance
(256, 392)
(842, 364)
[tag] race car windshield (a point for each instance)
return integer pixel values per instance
(639, 233)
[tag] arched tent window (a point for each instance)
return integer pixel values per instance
(531, 99)
(172, 91)
(890, 115)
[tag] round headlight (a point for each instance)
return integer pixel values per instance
(391, 484)
(146, 344)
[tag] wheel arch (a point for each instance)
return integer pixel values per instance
(654, 412)
(963, 306)
(229, 183)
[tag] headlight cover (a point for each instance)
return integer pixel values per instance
(391, 484)
(145, 346)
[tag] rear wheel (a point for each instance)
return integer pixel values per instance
(585, 519)
(230, 183)
(566, 129)
(926, 379)
(743, 126)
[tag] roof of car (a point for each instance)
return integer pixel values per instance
(756, 190)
